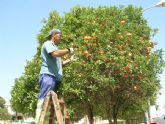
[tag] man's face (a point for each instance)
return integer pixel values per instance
(57, 38)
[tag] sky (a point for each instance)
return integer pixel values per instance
(21, 21)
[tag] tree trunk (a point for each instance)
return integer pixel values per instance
(90, 113)
(115, 114)
(115, 120)
(110, 121)
(109, 115)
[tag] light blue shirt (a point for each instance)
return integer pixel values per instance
(50, 65)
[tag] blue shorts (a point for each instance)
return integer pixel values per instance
(47, 82)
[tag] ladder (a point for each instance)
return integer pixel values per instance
(58, 111)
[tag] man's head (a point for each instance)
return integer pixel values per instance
(55, 35)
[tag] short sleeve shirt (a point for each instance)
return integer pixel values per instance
(50, 65)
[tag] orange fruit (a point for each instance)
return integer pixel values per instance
(125, 75)
(101, 52)
(151, 45)
(129, 34)
(86, 53)
(122, 22)
(126, 68)
(87, 38)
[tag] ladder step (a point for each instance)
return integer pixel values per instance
(61, 101)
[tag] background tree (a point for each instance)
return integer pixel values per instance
(24, 94)
(116, 69)
(25, 91)
(4, 115)
(2, 102)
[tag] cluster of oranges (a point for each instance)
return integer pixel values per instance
(148, 49)
(89, 38)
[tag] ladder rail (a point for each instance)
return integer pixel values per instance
(45, 108)
(58, 110)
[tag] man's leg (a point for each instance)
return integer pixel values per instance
(38, 110)
(47, 83)
(43, 90)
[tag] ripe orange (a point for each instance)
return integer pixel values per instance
(101, 52)
(129, 34)
(122, 22)
(86, 53)
(98, 61)
(151, 45)
(139, 77)
(148, 48)
(120, 47)
(125, 75)
(90, 38)
(87, 38)
(126, 68)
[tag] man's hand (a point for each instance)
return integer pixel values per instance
(73, 58)
(71, 50)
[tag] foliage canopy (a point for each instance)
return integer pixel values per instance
(116, 68)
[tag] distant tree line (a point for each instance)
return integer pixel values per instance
(4, 115)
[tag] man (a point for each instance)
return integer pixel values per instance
(51, 67)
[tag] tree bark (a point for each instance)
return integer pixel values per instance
(90, 113)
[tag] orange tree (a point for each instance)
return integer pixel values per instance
(4, 115)
(24, 93)
(116, 69)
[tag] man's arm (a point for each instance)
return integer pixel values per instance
(59, 53)
(66, 61)
(72, 58)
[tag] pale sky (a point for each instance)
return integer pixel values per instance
(20, 22)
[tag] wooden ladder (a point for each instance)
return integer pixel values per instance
(58, 111)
